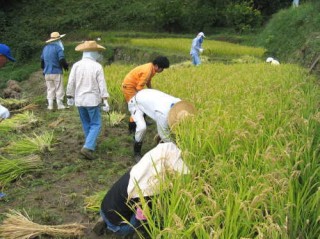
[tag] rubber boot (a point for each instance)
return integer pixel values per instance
(137, 151)
(50, 104)
(60, 105)
(132, 127)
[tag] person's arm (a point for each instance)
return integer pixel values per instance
(71, 83)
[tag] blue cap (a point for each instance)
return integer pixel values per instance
(5, 50)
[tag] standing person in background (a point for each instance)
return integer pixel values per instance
(140, 77)
(196, 48)
(295, 3)
(86, 89)
(52, 62)
(5, 55)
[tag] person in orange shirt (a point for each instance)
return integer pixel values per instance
(137, 79)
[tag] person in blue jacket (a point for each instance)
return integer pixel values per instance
(52, 63)
(196, 48)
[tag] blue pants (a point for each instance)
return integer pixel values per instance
(123, 229)
(91, 124)
(195, 59)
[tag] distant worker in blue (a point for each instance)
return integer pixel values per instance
(196, 48)
(52, 63)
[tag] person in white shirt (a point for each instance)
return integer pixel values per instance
(121, 204)
(164, 109)
(86, 89)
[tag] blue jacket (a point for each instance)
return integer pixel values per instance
(196, 45)
(51, 55)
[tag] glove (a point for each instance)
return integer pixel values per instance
(70, 101)
(106, 106)
(139, 215)
(201, 50)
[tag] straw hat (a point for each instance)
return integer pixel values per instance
(54, 36)
(89, 46)
(179, 111)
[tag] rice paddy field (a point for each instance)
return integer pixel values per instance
(252, 150)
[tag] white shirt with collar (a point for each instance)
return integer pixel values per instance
(86, 83)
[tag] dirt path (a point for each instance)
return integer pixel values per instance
(55, 195)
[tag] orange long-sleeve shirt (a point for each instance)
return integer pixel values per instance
(136, 80)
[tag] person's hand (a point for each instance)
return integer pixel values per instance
(105, 106)
(201, 50)
(70, 101)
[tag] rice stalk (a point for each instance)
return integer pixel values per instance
(31, 145)
(18, 122)
(12, 169)
(92, 203)
(12, 104)
(115, 118)
(16, 225)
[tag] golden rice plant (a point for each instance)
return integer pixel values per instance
(18, 122)
(93, 203)
(31, 145)
(16, 225)
(12, 169)
(114, 118)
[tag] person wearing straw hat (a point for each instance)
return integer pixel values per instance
(121, 209)
(140, 77)
(86, 89)
(196, 48)
(5, 55)
(52, 63)
(164, 109)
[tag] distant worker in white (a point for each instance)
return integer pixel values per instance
(196, 48)
(272, 61)
(164, 109)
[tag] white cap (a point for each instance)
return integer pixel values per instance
(201, 34)
(269, 59)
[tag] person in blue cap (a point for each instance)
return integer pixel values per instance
(5, 55)
(196, 48)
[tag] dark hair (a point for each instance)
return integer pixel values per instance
(161, 61)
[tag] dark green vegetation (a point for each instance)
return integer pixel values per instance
(293, 35)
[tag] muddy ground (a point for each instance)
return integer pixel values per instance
(55, 194)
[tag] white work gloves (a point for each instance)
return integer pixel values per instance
(201, 50)
(70, 101)
(105, 106)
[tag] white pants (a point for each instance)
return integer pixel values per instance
(160, 118)
(54, 84)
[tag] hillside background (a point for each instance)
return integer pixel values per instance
(288, 34)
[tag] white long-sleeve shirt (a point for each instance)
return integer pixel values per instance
(86, 83)
(152, 167)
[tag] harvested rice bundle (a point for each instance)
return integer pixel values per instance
(11, 169)
(115, 118)
(13, 104)
(16, 225)
(27, 107)
(18, 122)
(30, 145)
(93, 203)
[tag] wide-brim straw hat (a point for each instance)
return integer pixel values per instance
(89, 46)
(54, 36)
(179, 111)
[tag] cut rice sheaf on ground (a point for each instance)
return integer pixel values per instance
(16, 225)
